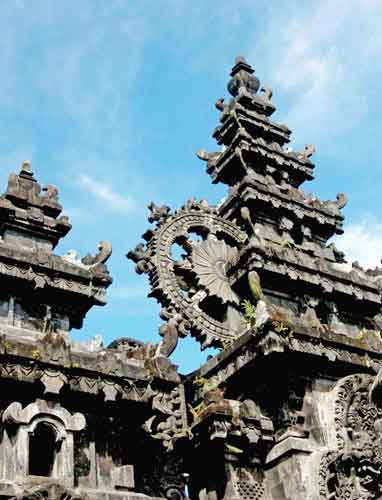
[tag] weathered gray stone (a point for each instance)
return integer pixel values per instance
(291, 406)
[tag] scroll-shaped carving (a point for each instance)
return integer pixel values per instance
(104, 253)
(170, 332)
(267, 93)
(219, 104)
(210, 158)
(309, 151)
(94, 263)
(354, 470)
(336, 206)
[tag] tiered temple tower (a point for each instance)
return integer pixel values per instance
(291, 406)
(67, 408)
(288, 409)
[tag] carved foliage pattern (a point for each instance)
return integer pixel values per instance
(354, 470)
(168, 421)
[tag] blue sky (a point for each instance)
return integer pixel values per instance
(111, 99)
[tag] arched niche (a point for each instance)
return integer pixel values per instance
(38, 441)
(43, 447)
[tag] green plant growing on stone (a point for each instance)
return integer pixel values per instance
(287, 245)
(204, 384)
(36, 354)
(283, 328)
(7, 347)
(232, 449)
(361, 335)
(280, 327)
(196, 410)
(249, 313)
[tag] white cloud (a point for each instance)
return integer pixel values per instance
(362, 242)
(319, 56)
(103, 192)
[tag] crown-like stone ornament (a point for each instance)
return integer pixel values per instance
(243, 78)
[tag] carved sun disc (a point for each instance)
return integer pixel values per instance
(211, 260)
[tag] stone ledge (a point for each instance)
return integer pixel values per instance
(290, 445)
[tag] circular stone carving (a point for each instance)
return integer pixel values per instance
(195, 283)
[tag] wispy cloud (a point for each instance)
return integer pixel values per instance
(363, 242)
(319, 56)
(105, 193)
(133, 291)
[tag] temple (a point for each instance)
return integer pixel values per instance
(291, 406)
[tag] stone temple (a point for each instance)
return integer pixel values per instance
(290, 408)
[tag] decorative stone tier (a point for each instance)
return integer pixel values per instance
(269, 202)
(28, 218)
(246, 154)
(62, 291)
(57, 361)
(243, 113)
(43, 292)
(363, 354)
(52, 489)
(295, 273)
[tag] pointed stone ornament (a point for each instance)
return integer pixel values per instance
(26, 169)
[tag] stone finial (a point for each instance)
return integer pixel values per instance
(26, 166)
(241, 65)
(26, 170)
(242, 78)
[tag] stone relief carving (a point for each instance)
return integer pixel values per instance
(353, 471)
(47, 490)
(168, 479)
(193, 281)
(168, 421)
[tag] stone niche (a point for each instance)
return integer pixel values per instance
(37, 442)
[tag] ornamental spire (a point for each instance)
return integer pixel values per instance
(242, 78)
